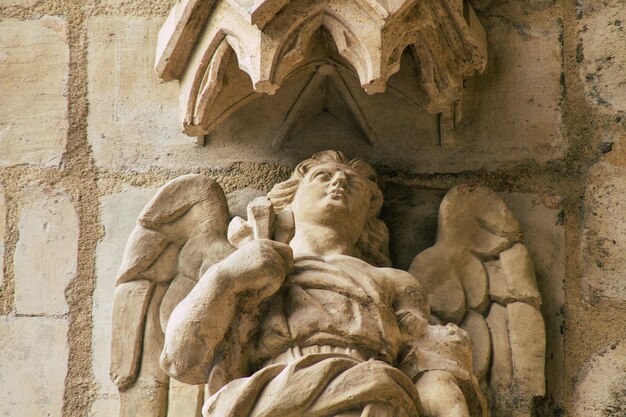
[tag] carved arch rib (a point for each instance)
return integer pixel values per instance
(290, 51)
(270, 37)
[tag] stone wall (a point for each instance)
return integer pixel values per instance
(87, 134)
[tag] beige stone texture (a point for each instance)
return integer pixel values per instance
(508, 115)
(185, 400)
(528, 350)
(34, 66)
(133, 121)
(601, 390)
(46, 253)
(238, 200)
(601, 53)
(105, 407)
(583, 354)
(20, 3)
(513, 110)
(411, 215)
(604, 246)
(476, 326)
(270, 40)
(3, 229)
(33, 366)
(541, 218)
(501, 365)
(119, 215)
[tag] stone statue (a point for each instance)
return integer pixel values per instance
(298, 312)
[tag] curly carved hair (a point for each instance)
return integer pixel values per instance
(373, 244)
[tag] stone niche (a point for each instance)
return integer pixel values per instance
(297, 308)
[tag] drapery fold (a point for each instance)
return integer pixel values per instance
(318, 385)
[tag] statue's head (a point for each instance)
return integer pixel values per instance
(334, 190)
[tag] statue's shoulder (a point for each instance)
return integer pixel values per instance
(401, 279)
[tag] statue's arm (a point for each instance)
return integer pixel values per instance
(410, 302)
(198, 324)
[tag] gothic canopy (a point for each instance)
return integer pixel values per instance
(273, 39)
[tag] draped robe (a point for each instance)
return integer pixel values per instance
(332, 343)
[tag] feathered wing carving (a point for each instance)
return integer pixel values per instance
(180, 233)
(480, 276)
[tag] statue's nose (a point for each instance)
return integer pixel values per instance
(339, 179)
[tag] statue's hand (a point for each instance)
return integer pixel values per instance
(259, 266)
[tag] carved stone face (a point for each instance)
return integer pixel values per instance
(333, 194)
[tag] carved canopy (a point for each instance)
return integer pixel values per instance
(270, 40)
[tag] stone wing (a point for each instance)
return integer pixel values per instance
(480, 276)
(180, 233)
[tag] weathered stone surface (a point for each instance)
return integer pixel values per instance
(512, 277)
(33, 366)
(512, 111)
(475, 225)
(601, 391)
(604, 245)
(33, 104)
(238, 200)
(517, 368)
(119, 215)
(20, 3)
(509, 115)
(541, 218)
(133, 119)
(601, 52)
(185, 400)
(411, 215)
(476, 326)
(105, 407)
(528, 346)
(3, 216)
(370, 37)
(501, 365)
(45, 256)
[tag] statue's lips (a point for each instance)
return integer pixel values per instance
(338, 194)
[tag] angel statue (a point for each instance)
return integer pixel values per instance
(297, 311)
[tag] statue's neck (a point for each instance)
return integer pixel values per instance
(320, 240)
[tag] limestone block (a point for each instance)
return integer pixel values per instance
(45, 256)
(119, 216)
(33, 104)
(601, 389)
(3, 215)
(601, 53)
(33, 366)
(512, 111)
(133, 119)
(604, 242)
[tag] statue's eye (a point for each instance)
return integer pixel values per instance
(321, 176)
